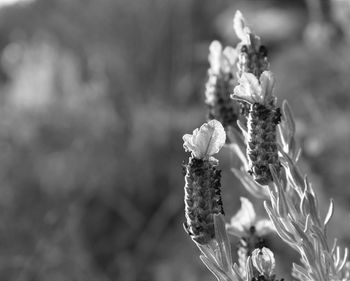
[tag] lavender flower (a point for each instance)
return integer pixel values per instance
(262, 121)
(252, 56)
(203, 187)
(269, 171)
(219, 87)
(245, 225)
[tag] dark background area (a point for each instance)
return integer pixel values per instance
(95, 97)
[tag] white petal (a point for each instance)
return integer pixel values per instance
(245, 217)
(210, 97)
(241, 93)
(264, 227)
(206, 141)
(249, 88)
(215, 56)
(231, 54)
(239, 26)
(251, 82)
(235, 230)
(215, 47)
(267, 82)
(188, 141)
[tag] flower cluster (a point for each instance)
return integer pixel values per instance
(269, 170)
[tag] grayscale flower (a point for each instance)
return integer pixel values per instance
(245, 219)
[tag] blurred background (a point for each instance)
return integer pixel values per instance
(95, 96)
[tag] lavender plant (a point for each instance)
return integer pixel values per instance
(269, 170)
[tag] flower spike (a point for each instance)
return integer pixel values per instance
(221, 81)
(202, 181)
(263, 118)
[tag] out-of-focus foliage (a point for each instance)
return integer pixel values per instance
(95, 98)
(93, 108)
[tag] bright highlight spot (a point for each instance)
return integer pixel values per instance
(11, 2)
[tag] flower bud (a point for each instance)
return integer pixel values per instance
(264, 261)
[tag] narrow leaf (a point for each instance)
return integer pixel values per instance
(217, 271)
(223, 242)
(289, 118)
(329, 213)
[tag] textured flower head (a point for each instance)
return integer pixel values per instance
(252, 90)
(264, 261)
(252, 55)
(242, 223)
(221, 81)
(205, 141)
